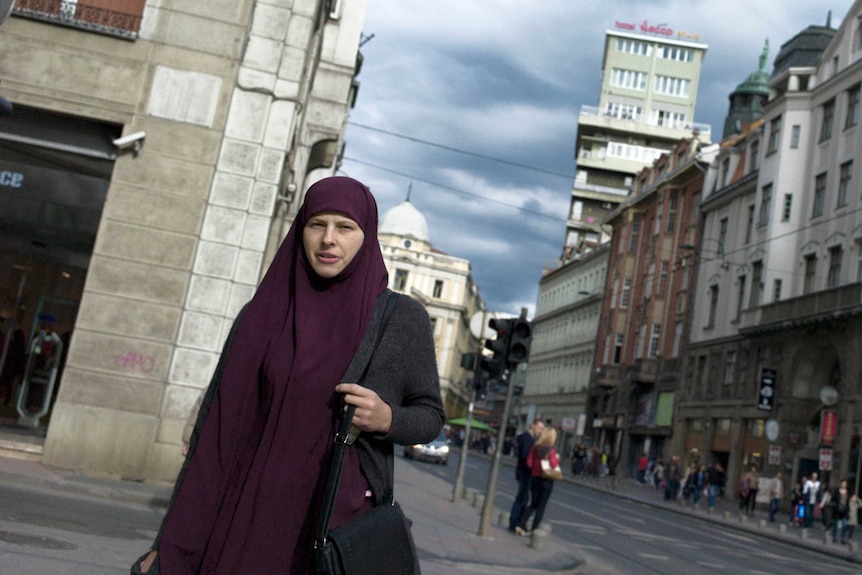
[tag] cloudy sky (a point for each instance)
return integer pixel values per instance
(476, 103)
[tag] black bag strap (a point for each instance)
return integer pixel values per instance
(343, 439)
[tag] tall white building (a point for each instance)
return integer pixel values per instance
(773, 363)
(444, 285)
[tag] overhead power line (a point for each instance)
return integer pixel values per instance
(460, 151)
(450, 188)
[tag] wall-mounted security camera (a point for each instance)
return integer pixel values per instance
(134, 142)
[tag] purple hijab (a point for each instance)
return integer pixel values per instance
(249, 500)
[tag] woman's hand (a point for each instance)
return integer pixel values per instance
(372, 413)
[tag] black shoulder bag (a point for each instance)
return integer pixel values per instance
(374, 543)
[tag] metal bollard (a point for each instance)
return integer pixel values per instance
(727, 515)
(827, 537)
(852, 546)
(782, 529)
(761, 523)
(538, 538)
(803, 533)
(504, 519)
(469, 494)
(478, 501)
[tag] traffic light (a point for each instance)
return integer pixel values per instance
(520, 338)
(490, 368)
(500, 345)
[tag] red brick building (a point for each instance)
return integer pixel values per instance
(643, 322)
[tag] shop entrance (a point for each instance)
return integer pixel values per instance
(54, 177)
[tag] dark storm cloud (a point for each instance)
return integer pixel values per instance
(506, 80)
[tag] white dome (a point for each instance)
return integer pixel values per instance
(405, 220)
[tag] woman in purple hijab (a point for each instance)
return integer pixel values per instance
(247, 498)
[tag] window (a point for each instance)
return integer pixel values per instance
(674, 53)
(819, 195)
(713, 305)
(113, 18)
(788, 206)
(749, 227)
(654, 339)
(852, 107)
(633, 240)
(729, 366)
(836, 254)
(765, 205)
(400, 280)
(671, 211)
(672, 86)
(677, 338)
(630, 79)
(667, 118)
(634, 47)
(438, 288)
(810, 274)
(662, 278)
(828, 116)
(795, 133)
(756, 284)
(844, 183)
(618, 348)
(725, 172)
(626, 295)
(577, 210)
(722, 236)
(776, 290)
(774, 135)
(649, 280)
(753, 151)
(623, 111)
(740, 296)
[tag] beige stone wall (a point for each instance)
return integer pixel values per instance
(215, 86)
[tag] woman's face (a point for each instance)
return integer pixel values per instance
(331, 241)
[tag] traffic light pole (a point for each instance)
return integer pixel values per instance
(491, 489)
(465, 446)
(517, 346)
(458, 490)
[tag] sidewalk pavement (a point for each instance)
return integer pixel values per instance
(444, 531)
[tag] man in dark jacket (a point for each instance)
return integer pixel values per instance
(523, 443)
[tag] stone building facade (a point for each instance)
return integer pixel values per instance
(178, 139)
(774, 360)
(642, 331)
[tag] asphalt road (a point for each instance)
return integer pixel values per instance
(621, 537)
(48, 533)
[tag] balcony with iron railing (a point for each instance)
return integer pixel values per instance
(645, 370)
(101, 16)
(639, 120)
(610, 376)
(804, 310)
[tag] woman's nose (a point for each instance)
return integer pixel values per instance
(329, 235)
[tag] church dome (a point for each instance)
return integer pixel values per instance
(405, 220)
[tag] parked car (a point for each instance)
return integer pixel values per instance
(437, 450)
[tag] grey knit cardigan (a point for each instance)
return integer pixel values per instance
(403, 372)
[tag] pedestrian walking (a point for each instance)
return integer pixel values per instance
(716, 479)
(247, 497)
(523, 474)
(776, 494)
(540, 487)
(811, 493)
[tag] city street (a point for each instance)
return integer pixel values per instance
(55, 522)
(620, 536)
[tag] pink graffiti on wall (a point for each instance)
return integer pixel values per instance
(135, 361)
